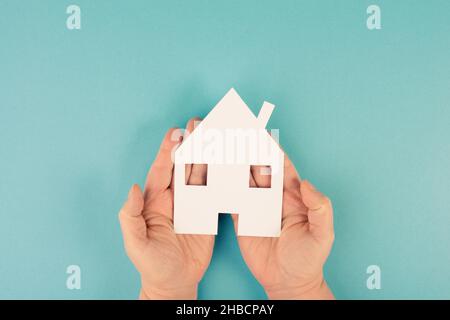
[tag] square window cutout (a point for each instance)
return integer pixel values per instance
(196, 174)
(260, 176)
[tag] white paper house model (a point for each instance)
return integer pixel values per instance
(229, 140)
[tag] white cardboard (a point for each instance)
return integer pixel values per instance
(196, 208)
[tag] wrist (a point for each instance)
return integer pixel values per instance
(316, 289)
(179, 293)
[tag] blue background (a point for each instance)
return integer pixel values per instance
(363, 114)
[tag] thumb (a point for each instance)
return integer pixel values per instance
(320, 212)
(134, 228)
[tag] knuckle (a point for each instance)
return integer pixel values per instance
(121, 215)
(332, 237)
(329, 239)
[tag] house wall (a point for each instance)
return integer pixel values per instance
(196, 208)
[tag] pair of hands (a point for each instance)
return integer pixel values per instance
(172, 265)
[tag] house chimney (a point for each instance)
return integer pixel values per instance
(265, 113)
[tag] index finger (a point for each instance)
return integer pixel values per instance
(291, 179)
(160, 174)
